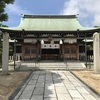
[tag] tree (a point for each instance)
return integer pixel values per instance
(3, 3)
(3, 17)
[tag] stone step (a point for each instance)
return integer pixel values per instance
(75, 65)
(49, 68)
(53, 66)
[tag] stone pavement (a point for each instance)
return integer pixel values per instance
(54, 85)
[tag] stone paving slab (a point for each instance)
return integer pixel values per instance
(82, 90)
(38, 91)
(26, 94)
(50, 98)
(37, 97)
(64, 97)
(49, 91)
(88, 97)
(54, 85)
(75, 93)
(61, 90)
(50, 95)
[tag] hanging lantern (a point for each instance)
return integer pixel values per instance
(61, 42)
(42, 42)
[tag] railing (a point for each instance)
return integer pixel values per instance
(90, 58)
(83, 57)
(17, 63)
(18, 58)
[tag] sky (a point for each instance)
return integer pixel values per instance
(87, 11)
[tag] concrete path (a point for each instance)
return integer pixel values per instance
(54, 85)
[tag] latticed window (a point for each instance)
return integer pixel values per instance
(67, 50)
(73, 50)
(27, 50)
(33, 50)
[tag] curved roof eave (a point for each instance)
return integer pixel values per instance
(49, 23)
(15, 30)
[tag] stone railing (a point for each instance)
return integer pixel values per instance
(83, 57)
(17, 62)
(90, 58)
(18, 58)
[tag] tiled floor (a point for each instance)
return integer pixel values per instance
(54, 85)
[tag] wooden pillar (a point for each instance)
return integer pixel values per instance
(14, 54)
(23, 48)
(77, 46)
(85, 51)
(96, 52)
(5, 55)
(38, 47)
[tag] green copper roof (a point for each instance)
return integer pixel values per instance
(49, 23)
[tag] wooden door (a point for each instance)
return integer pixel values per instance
(30, 52)
(70, 52)
(34, 52)
(27, 52)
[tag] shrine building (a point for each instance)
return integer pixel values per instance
(50, 37)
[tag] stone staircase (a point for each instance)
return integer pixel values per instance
(51, 65)
(75, 65)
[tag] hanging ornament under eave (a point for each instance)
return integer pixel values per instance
(42, 41)
(61, 42)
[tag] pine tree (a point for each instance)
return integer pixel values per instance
(3, 15)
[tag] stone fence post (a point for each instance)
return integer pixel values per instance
(5, 54)
(96, 52)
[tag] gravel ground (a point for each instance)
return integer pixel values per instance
(90, 78)
(8, 83)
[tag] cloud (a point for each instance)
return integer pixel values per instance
(87, 9)
(70, 7)
(96, 20)
(16, 9)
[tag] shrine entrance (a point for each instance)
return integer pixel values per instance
(50, 54)
(50, 51)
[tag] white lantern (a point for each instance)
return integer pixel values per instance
(42, 42)
(61, 42)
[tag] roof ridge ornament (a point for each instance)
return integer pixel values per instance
(22, 15)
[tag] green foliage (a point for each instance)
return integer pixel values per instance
(1, 25)
(3, 3)
(90, 47)
(3, 17)
(8, 1)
